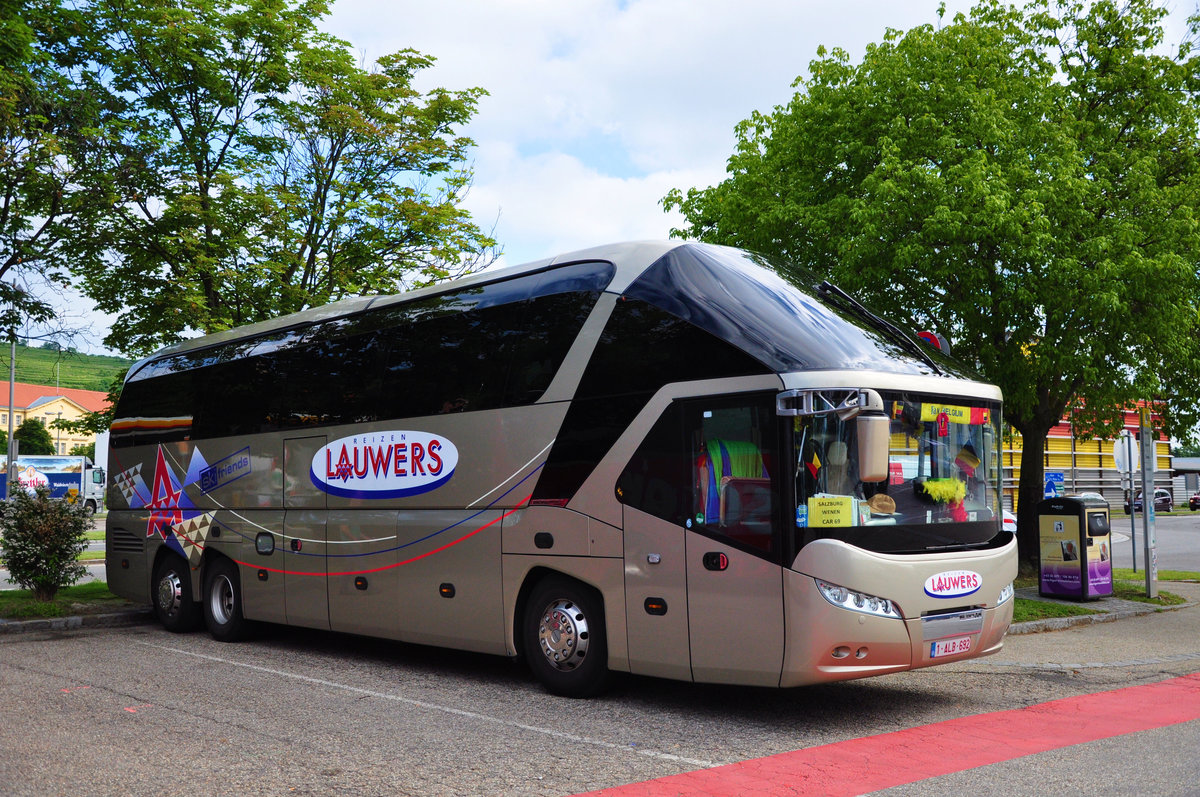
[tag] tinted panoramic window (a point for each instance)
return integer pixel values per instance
(482, 347)
(743, 300)
(644, 347)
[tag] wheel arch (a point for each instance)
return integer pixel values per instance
(605, 575)
(534, 577)
(207, 560)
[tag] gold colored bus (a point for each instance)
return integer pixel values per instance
(667, 459)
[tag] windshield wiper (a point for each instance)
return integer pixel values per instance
(836, 296)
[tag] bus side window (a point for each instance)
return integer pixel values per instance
(735, 472)
(655, 479)
(709, 465)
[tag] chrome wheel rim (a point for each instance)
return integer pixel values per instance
(221, 601)
(563, 634)
(170, 593)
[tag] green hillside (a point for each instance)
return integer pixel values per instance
(85, 371)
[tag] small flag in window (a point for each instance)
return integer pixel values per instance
(813, 463)
(967, 460)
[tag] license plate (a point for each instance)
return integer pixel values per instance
(949, 647)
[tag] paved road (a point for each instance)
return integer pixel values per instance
(1177, 536)
(138, 710)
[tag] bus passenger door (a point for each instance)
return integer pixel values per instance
(734, 580)
(304, 537)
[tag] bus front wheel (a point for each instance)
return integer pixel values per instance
(564, 639)
(223, 602)
(173, 604)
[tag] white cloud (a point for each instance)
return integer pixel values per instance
(597, 108)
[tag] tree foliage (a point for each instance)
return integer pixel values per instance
(88, 451)
(34, 437)
(46, 120)
(251, 168)
(1023, 181)
(41, 539)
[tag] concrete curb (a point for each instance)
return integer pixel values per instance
(1107, 610)
(136, 616)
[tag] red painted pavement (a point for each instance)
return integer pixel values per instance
(878, 762)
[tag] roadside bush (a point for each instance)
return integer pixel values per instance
(41, 539)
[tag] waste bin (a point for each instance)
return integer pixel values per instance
(1075, 549)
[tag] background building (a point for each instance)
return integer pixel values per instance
(49, 404)
(1087, 465)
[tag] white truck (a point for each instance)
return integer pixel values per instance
(67, 477)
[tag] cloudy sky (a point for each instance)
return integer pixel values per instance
(597, 108)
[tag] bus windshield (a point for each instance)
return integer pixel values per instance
(942, 489)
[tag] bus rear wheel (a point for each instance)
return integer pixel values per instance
(223, 602)
(173, 604)
(564, 638)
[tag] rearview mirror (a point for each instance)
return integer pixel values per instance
(874, 432)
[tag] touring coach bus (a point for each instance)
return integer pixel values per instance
(665, 459)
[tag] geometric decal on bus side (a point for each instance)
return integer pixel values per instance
(130, 483)
(193, 535)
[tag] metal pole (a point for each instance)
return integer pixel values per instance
(12, 381)
(1149, 456)
(1132, 525)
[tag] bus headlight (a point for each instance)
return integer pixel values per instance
(1005, 594)
(858, 601)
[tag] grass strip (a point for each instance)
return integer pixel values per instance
(1027, 610)
(90, 598)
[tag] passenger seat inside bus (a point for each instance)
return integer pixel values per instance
(735, 490)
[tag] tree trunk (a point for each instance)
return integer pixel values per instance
(1030, 492)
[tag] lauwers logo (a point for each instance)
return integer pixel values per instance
(390, 464)
(952, 584)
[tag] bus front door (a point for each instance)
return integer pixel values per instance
(734, 581)
(304, 537)
(735, 614)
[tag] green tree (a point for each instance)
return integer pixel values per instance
(88, 451)
(34, 437)
(47, 118)
(255, 169)
(1023, 181)
(41, 539)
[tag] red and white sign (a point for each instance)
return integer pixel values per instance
(390, 464)
(953, 584)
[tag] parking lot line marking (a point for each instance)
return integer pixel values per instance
(872, 763)
(571, 737)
